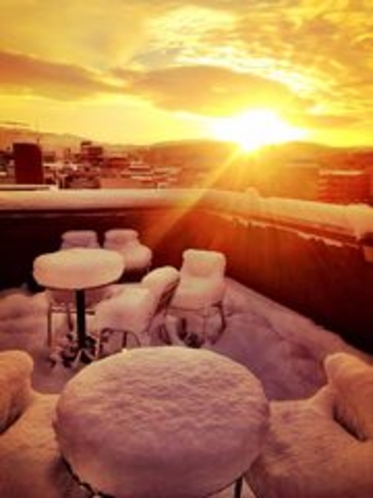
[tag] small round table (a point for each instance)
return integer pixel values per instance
(78, 269)
(161, 422)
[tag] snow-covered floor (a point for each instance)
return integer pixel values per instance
(282, 348)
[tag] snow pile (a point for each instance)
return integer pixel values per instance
(283, 349)
(161, 422)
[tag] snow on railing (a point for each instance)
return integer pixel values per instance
(354, 220)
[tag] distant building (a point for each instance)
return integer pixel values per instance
(344, 186)
(28, 163)
(91, 154)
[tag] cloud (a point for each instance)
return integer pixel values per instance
(207, 90)
(27, 75)
(311, 61)
(94, 33)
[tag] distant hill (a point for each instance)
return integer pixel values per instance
(214, 148)
(49, 141)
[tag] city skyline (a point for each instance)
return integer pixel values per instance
(144, 71)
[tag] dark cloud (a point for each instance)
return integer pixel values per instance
(23, 74)
(207, 90)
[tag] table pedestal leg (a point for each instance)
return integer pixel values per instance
(238, 487)
(80, 318)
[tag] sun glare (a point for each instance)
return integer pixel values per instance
(254, 129)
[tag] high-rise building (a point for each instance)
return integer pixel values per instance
(28, 164)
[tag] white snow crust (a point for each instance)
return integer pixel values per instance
(354, 219)
(284, 349)
(78, 268)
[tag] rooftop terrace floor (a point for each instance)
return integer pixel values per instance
(282, 348)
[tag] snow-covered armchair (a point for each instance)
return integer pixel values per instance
(137, 256)
(202, 286)
(322, 446)
(132, 311)
(30, 461)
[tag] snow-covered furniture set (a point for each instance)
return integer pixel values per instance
(197, 290)
(318, 447)
(126, 242)
(321, 447)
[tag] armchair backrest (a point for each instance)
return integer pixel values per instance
(203, 263)
(15, 385)
(119, 237)
(351, 381)
(163, 283)
(79, 238)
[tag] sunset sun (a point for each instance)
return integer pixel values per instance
(255, 128)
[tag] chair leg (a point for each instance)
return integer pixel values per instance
(69, 318)
(49, 327)
(222, 316)
(99, 348)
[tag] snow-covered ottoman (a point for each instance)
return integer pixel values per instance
(161, 422)
(321, 447)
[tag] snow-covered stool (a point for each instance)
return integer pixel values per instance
(161, 422)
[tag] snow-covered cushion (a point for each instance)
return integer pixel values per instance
(195, 293)
(203, 263)
(15, 385)
(131, 310)
(352, 381)
(120, 235)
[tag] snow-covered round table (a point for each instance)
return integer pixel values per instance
(78, 269)
(161, 422)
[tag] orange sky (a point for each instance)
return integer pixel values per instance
(140, 71)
